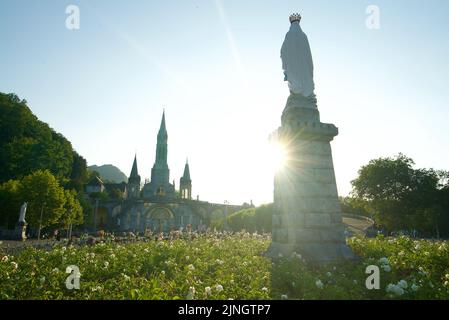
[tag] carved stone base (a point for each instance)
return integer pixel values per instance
(307, 216)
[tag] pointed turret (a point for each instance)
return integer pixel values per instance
(134, 181)
(134, 172)
(185, 184)
(186, 175)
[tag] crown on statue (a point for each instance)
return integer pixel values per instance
(295, 17)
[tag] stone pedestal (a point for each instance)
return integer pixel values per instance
(307, 216)
(20, 231)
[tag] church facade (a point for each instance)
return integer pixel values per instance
(156, 205)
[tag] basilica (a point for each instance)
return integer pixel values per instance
(154, 205)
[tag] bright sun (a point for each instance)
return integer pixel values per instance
(276, 156)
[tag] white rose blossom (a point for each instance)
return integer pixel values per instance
(219, 287)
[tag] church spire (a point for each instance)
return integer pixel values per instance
(185, 183)
(160, 173)
(186, 175)
(161, 147)
(134, 171)
(134, 181)
(163, 129)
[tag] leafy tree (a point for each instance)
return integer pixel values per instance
(9, 203)
(353, 206)
(86, 206)
(73, 211)
(43, 193)
(79, 175)
(102, 196)
(252, 219)
(399, 196)
(116, 194)
(28, 144)
(92, 174)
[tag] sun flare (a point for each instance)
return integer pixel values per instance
(276, 156)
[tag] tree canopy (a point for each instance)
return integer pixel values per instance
(37, 165)
(401, 197)
(252, 219)
(44, 195)
(28, 144)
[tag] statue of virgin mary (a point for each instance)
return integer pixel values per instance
(297, 60)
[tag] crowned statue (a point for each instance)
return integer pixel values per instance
(307, 216)
(297, 60)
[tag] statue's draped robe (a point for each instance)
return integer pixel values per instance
(297, 61)
(23, 210)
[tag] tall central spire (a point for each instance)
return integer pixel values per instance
(162, 129)
(161, 148)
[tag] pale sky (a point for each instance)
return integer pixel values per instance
(215, 66)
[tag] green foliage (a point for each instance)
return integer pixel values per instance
(32, 155)
(353, 206)
(28, 145)
(73, 211)
(116, 194)
(223, 266)
(252, 219)
(79, 175)
(102, 196)
(231, 266)
(9, 203)
(87, 208)
(409, 269)
(401, 197)
(422, 264)
(43, 194)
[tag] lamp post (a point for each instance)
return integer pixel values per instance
(40, 222)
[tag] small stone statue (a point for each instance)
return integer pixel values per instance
(23, 210)
(21, 224)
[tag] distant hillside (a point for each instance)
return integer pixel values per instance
(110, 173)
(28, 144)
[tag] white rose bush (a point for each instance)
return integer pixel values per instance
(224, 266)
